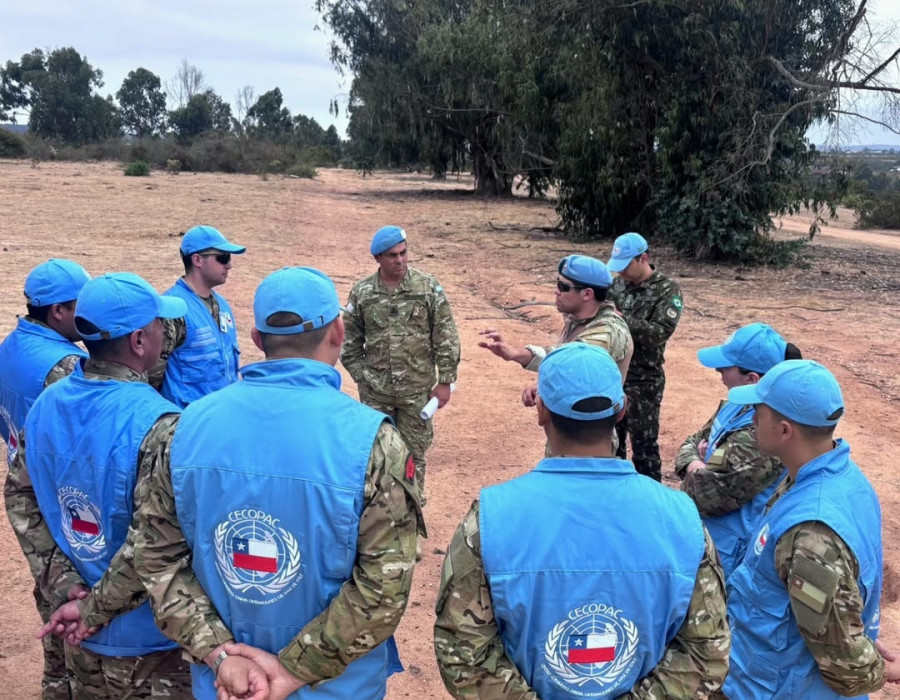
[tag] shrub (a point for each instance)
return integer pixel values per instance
(11, 145)
(173, 166)
(881, 210)
(137, 168)
(307, 170)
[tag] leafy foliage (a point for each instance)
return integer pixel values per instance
(137, 168)
(142, 103)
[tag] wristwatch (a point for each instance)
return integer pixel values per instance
(218, 661)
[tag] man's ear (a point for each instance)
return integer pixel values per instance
(256, 337)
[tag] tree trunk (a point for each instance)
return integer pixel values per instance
(490, 179)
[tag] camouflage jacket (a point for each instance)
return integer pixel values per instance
(652, 310)
(175, 333)
(606, 329)
(736, 472)
(474, 664)
(847, 659)
(365, 611)
(395, 339)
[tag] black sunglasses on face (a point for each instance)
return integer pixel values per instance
(222, 258)
(563, 287)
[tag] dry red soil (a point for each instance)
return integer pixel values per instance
(490, 256)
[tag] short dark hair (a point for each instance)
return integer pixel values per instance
(103, 349)
(302, 343)
(187, 262)
(599, 292)
(42, 313)
(810, 432)
(791, 352)
(586, 431)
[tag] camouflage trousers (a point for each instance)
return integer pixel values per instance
(164, 674)
(418, 434)
(55, 682)
(641, 421)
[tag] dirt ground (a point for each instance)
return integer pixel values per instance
(490, 256)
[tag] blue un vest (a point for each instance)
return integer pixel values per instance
(84, 438)
(26, 358)
(586, 603)
(768, 656)
(731, 532)
(269, 478)
(209, 357)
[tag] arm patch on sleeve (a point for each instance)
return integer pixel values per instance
(812, 588)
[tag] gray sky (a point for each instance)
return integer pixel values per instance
(261, 43)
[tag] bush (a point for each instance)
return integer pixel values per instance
(137, 168)
(881, 210)
(307, 170)
(173, 166)
(11, 145)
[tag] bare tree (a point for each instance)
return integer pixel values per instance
(187, 83)
(244, 99)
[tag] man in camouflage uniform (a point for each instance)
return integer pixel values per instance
(651, 304)
(40, 351)
(86, 438)
(399, 328)
(350, 522)
(529, 607)
(721, 465)
(804, 601)
(581, 289)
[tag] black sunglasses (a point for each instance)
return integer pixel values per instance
(563, 287)
(222, 258)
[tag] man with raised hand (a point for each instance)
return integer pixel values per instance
(531, 607)
(40, 351)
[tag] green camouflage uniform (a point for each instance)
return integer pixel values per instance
(394, 340)
(833, 630)
(363, 614)
(92, 676)
(736, 472)
(24, 515)
(652, 310)
(474, 664)
(174, 335)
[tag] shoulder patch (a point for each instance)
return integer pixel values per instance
(810, 595)
(671, 313)
(676, 302)
(410, 469)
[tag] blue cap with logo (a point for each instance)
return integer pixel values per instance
(578, 371)
(625, 249)
(54, 282)
(304, 291)
(801, 390)
(119, 303)
(386, 238)
(202, 238)
(756, 347)
(584, 270)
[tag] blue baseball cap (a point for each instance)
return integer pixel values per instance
(119, 303)
(585, 270)
(386, 238)
(54, 282)
(625, 249)
(801, 390)
(303, 291)
(202, 238)
(756, 347)
(578, 371)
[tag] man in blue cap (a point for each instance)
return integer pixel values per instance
(581, 287)
(651, 304)
(553, 586)
(201, 351)
(804, 601)
(286, 512)
(40, 351)
(86, 439)
(722, 466)
(400, 329)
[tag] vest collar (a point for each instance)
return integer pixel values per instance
(831, 462)
(595, 465)
(294, 372)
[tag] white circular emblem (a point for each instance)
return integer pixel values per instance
(761, 539)
(81, 524)
(592, 649)
(258, 560)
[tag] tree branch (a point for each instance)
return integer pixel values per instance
(887, 126)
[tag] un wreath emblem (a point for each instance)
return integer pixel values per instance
(593, 649)
(81, 524)
(258, 560)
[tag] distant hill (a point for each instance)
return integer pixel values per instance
(865, 147)
(15, 128)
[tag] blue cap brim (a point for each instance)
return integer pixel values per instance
(713, 357)
(231, 248)
(745, 395)
(171, 307)
(618, 264)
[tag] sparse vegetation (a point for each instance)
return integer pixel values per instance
(137, 168)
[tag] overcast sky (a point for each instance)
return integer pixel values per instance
(261, 43)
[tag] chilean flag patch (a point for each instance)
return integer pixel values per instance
(83, 522)
(410, 469)
(255, 555)
(592, 648)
